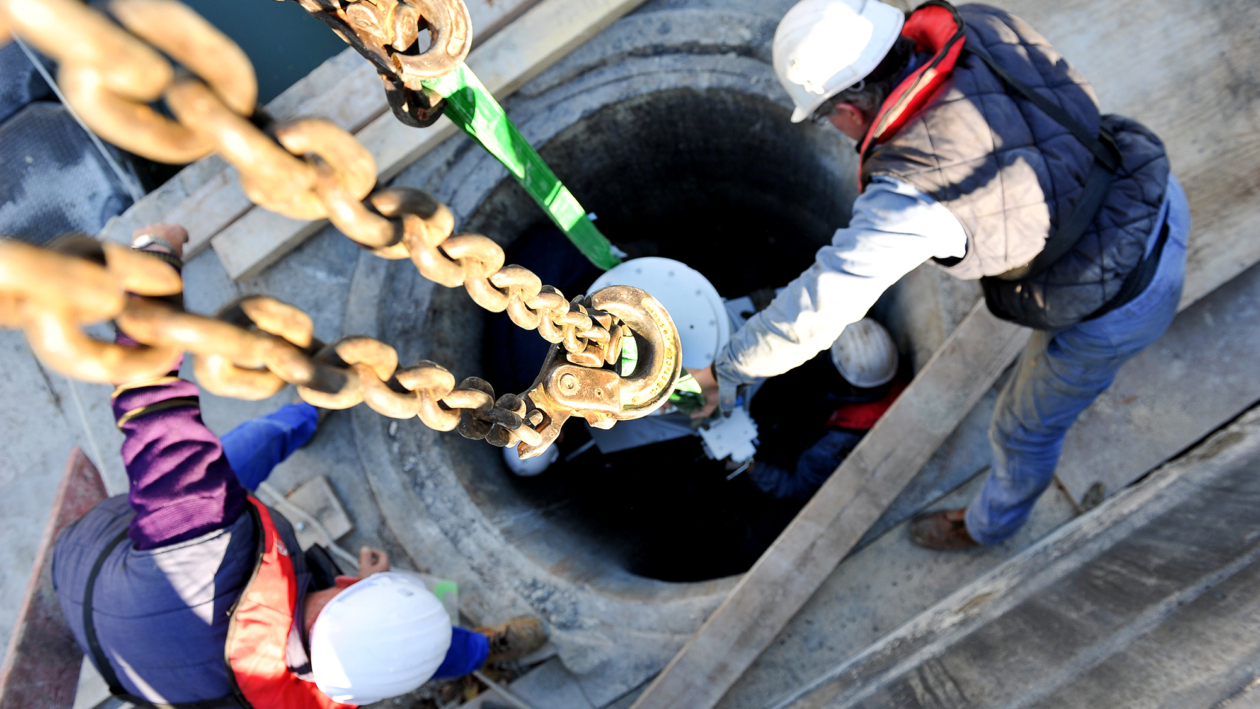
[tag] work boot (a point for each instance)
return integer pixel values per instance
(514, 639)
(943, 530)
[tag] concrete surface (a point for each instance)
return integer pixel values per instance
(876, 590)
(1199, 375)
(1148, 601)
(41, 423)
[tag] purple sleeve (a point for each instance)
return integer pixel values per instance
(181, 485)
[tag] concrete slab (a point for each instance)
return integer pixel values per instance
(316, 498)
(875, 591)
(551, 686)
(41, 424)
(1177, 391)
(1147, 601)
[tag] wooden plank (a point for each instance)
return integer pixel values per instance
(847, 505)
(524, 49)
(206, 197)
(41, 665)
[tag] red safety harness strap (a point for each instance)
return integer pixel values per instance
(936, 27)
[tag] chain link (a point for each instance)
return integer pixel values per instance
(250, 350)
(387, 32)
(304, 169)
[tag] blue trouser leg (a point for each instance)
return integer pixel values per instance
(813, 467)
(1058, 375)
(257, 446)
(468, 651)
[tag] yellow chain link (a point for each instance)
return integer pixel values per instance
(312, 169)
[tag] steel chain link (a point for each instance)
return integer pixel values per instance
(305, 169)
(386, 33)
(250, 350)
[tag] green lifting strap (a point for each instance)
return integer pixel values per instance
(471, 107)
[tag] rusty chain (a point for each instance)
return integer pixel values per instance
(387, 34)
(250, 350)
(305, 169)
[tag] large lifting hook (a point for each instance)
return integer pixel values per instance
(602, 395)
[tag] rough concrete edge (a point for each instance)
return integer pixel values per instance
(1043, 563)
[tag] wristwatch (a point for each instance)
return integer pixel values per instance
(149, 240)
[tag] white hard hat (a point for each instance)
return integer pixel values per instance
(823, 47)
(382, 637)
(529, 467)
(693, 303)
(865, 354)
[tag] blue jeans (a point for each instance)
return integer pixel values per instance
(813, 467)
(1059, 374)
(257, 446)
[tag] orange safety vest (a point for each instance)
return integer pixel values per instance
(257, 635)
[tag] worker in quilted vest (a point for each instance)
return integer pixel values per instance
(188, 592)
(983, 151)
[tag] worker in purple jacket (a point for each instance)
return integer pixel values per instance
(189, 591)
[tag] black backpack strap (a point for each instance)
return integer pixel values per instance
(1103, 148)
(102, 662)
(322, 567)
(89, 624)
(1106, 160)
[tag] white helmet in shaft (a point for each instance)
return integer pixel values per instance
(865, 354)
(382, 637)
(823, 47)
(693, 303)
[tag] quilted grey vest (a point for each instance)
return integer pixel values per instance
(1011, 175)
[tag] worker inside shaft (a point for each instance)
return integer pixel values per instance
(685, 478)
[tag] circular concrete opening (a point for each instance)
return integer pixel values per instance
(719, 179)
(672, 128)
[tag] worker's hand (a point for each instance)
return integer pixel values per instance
(709, 387)
(173, 234)
(372, 561)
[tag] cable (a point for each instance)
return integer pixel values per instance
(132, 188)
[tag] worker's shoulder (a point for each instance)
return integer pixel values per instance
(98, 525)
(999, 25)
(80, 545)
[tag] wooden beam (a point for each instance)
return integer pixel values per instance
(206, 197)
(523, 50)
(41, 666)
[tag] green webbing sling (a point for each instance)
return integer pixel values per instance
(471, 107)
